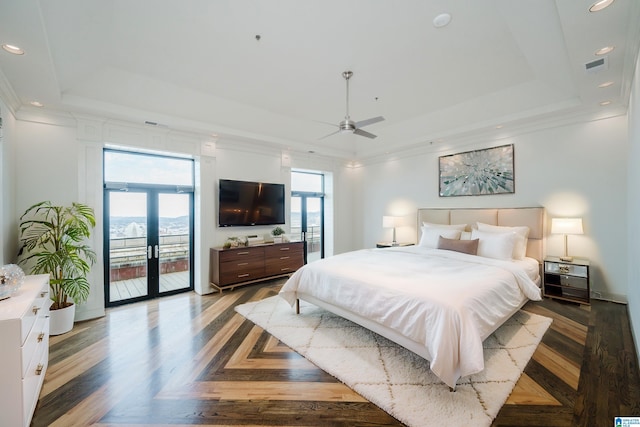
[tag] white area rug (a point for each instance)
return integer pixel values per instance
(395, 379)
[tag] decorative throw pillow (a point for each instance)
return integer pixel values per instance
(430, 235)
(465, 246)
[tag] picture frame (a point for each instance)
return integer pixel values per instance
(488, 171)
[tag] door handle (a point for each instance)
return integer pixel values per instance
(149, 255)
(157, 252)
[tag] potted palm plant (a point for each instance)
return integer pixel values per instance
(53, 241)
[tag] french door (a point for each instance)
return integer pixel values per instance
(150, 250)
(307, 210)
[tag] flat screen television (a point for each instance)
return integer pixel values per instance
(245, 203)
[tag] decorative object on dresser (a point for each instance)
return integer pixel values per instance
(278, 234)
(566, 226)
(479, 172)
(53, 241)
(11, 278)
(391, 222)
(234, 267)
(567, 280)
(24, 332)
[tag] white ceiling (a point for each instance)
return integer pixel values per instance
(197, 65)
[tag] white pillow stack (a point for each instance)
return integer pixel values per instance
(520, 236)
(432, 232)
(495, 245)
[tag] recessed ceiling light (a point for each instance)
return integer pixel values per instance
(499, 126)
(442, 20)
(605, 84)
(603, 103)
(599, 5)
(37, 104)
(13, 49)
(605, 50)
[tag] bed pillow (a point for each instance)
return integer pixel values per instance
(521, 239)
(430, 236)
(495, 245)
(465, 246)
(459, 227)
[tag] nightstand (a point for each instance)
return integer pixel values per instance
(390, 245)
(566, 280)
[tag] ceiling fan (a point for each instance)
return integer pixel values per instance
(350, 126)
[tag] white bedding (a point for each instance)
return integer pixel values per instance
(447, 301)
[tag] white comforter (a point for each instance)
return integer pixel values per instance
(447, 301)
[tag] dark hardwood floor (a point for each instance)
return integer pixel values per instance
(191, 360)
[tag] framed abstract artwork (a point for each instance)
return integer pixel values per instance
(478, 172)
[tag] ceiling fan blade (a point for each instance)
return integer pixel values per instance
(364, 133)
(367, 122)
(332, 133)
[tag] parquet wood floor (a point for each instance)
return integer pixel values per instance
(191, 360)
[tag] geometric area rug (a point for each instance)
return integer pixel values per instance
(395, 379)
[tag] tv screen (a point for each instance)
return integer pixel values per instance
(243, 203)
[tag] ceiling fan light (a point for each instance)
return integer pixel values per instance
(599, 5)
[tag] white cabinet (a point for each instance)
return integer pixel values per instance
(24, 353)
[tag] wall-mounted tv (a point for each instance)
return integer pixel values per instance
(244, 203)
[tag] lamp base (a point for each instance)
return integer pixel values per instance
(566, 258)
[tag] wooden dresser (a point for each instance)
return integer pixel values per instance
(234, 267)
(24, 333)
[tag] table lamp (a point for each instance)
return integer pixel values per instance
(391, 222)
(566, 226)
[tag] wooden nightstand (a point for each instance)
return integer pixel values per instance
(566, 280)
(390, 245)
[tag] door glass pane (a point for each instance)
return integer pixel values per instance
(314, 223)
(296, 219)
(173, 228)
(127, 245)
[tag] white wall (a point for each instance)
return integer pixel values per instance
(572, 170)
(8, 223)
(633, 196)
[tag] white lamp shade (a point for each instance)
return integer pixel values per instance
(566, 226)
(390, 221)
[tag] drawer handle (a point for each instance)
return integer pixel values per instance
(243, 253)
(43, 294)
(243, 275)
(242, 263)
(564, 269)
(35, 310)
(41, 337)
(284, 249)
(39, 369)
(285, 269)
(285, 257)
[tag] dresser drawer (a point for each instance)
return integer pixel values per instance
(248, 273)
(285, 249)
(283, 265)
(32, 382)
(569, 269)
(39, 305)
(38, 337)
(244, 254)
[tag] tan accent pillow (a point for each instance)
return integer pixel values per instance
(465, 246)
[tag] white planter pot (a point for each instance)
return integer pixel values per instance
(277, 239)
(61, 321)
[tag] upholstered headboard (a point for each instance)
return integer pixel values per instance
(534, 218)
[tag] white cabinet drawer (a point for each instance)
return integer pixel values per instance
(33, 379)
(38, 337)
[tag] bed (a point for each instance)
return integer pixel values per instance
(439, 303)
